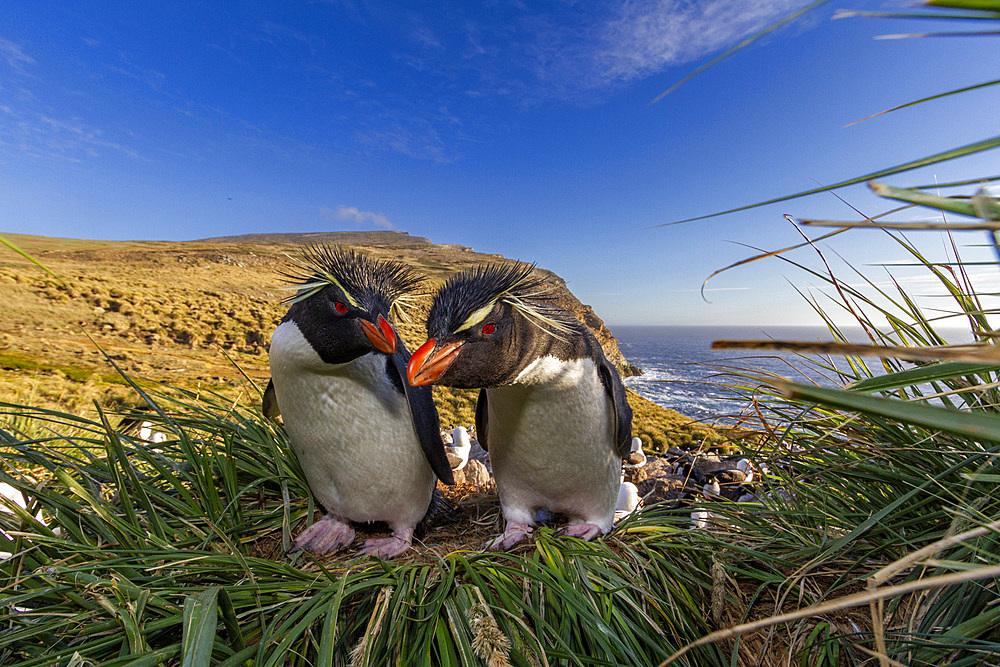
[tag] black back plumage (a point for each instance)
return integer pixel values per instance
(615, 390)
(424, 413)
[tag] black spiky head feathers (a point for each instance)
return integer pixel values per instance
(467, 298)
(364, 281)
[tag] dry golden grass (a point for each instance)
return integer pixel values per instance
(186, 314)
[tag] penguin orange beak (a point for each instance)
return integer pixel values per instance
(382, 336)
(427, 364)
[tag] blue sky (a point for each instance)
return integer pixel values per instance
(516, 128)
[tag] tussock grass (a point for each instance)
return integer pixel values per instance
(888, 481)
(876, 539)
(174, 552)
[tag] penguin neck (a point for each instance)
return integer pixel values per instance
(292, 353)
(550, 360)
(552, 372)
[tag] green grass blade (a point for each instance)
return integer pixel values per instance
(981, 207)
(944, 156)
(230, 620)
(922, 375)
(972, 5)
(32, 260)
(932, 97)
(201, 617)
(973, 425)
(745, 43)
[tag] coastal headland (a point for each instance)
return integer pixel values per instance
(197, 315)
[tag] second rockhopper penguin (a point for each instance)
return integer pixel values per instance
(551, 411)
(369, 444)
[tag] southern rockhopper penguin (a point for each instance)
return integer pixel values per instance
(368, 443)
(551, 408)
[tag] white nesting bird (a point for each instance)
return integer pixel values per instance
(628, 500)
(458, 451)
(744, 466)
(147, 433)
(700, 518)
(15, 496)
(636, 457)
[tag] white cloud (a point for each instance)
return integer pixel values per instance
(33, 135)
(927, 284)
(150, 77)
(650, 35)
(14, 55)
(575, 51)
(355, 215)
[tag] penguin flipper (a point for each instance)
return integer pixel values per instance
(441, 511)
(615, 390)
(424, 416)
(269, 401)
(482, 420)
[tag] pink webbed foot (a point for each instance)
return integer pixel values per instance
(387, 547)
(584, 531)
(514, 533)
(325, 536)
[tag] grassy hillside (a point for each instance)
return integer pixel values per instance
(192, 314)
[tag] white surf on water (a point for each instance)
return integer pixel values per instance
(682, 373)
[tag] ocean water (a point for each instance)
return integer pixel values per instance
(680, 372)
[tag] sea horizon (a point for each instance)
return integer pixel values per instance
(681, 372)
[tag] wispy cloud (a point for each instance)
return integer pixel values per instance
(579, 50)
(355, 215)
(14, 55)
(708, 289)
(33, 129)
(150, 77)
(38, 137)
(928, 284)
(452, 68)
(410, 135)
(526, 54)
(76, 139)
(649, 35)
(452, 64)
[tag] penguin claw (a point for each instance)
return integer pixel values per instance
(327, 535)
(583, 531)
(514, 533)
(384, 547)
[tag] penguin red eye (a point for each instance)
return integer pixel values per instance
(488, 329)
(340, 307)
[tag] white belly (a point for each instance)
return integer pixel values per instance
(551, 446)
(352, 433)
